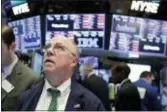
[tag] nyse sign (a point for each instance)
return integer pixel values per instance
(88, 42)
(23, 8)
(148, 7)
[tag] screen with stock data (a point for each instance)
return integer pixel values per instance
(138, 35)
(87, 30)
(27, 33)
(91, 60)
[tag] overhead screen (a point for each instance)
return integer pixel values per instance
(136, 70)
(138, 35)
(27, 33)
(91, 60)
(87, 30)
(103, 73)
(37, 63)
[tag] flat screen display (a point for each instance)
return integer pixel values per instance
(87, 30)
(27, 33)
(37, 63)
(91, 60)
(138, 35)
(104, 73)
(164, 96)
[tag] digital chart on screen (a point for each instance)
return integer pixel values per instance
(27, 33)
(87, 30)
(138, 35)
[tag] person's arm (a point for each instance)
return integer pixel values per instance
(18, 104)
(156, 100)
(100, 107)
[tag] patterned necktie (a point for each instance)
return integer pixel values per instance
(53, 103)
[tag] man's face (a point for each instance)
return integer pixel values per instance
(85, 72)
(58, 56)
(115, 76)
(5, 54)
(149, 79)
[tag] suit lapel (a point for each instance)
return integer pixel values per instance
(75, 102)
(36, 93)
(13, 78)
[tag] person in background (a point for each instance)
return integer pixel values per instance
(149, 94)
(58, 90)
(127, 97)
(95, 84)
(16, 77)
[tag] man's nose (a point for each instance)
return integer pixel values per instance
(50, 51)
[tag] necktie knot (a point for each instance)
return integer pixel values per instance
(54, 92)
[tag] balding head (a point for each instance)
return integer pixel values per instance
(85, 70)
(60, 58)
(68, 43)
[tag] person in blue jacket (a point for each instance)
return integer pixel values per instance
(148, 93)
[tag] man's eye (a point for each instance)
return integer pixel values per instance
(59, 47)
(47, 46)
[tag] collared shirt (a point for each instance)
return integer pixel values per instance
(8, 69)
(91, 73)
(45, 98)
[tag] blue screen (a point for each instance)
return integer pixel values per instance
(37, 63)
(87, 30)
(27, 33)
(164, 96)
(91, 60)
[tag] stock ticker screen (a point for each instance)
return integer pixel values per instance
(87, 30)
(138, 35)
(27, 33)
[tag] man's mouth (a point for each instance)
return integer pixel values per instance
(49, 61)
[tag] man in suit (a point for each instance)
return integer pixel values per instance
(58, 91)
(95, 84)
(16, 77)
(127, 98)
(149, 94)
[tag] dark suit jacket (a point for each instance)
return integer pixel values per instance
(79, 95)
(21, 78)
(150, 101)
(100, 88)
(128, 98)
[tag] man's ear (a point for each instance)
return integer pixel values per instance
(12, 47)
(74, 62)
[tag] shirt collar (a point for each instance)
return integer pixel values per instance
(91, 73)
(8, 69)
(62, 88)
(125, 80)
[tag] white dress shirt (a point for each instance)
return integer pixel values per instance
(8, 69)
(45, 98)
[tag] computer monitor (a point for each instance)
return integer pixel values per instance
(164, 96)
(37, 63)
(27, 33)
(104, 74)
(91, 60)
(87, 30)
(141, 36)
